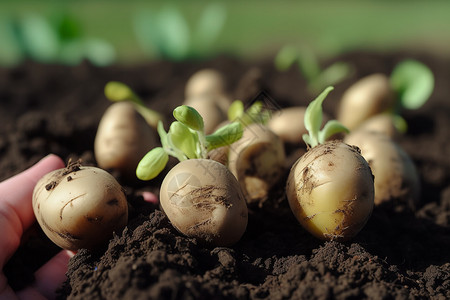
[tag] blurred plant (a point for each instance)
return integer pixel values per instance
(166, 33)
(309, 66)
(59, 39)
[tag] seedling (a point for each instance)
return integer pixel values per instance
(408, 87)
(330, 189)
(167, 34)
(200, 196)
(79, 207)
(309, 66)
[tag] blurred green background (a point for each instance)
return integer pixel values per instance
(133, 31)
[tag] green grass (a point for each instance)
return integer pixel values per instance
(258, 28)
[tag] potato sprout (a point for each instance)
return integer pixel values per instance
(80, 207)
(330, 188)
(201, 197)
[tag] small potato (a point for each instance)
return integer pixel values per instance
(330, 191)
(80, 207)
(257, 160)
(210, 109)
(123, 138)
(205, 83)
(383, 123)
(202, 199)
(396, 178)
(367, 97)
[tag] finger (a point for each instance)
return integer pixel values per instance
(51, 276)
(16, 212)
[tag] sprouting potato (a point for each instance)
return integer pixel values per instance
(330, 188)
(123, 138)
(396, 178)
(202, 199)
(80, 207)
(208, 106)
(205, 82)
(330, 191)
(367, 97)
(257, 160)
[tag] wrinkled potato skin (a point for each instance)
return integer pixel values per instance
(202, 199)
(123, 138)
(80, 208)
(367, 97)
(330, 191)
(257, 160)
(396, 178)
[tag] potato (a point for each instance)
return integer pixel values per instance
(205, 82)
(383, 123)
(330, 191)
(367, 97)
(396, 178)
(123, 138)
(257, 160)
(209, 108)
(202, 199)
(79, 207)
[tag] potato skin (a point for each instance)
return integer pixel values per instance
(330, 191)
(396, 178)
(288, 124)
(79, 207)
(367, 97)
(122, 139)
(205, 82)
(202, 199)
(258, 161)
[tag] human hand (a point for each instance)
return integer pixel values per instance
(16, 216)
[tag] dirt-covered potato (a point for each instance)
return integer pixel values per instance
(123, 138)
(330, 191)
(257, 160)
(80, 207)
(367, 97)
(396, 178)
(202, 199)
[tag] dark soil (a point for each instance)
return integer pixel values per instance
(399, 254)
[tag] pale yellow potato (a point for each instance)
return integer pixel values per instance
(330, 191)
(80, 207)
(257, 160)
(396, 178)
(122, 139)
(205, 82)
(367, 97)
(203, 200)
(383, 123)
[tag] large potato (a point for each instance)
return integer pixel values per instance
(202, 199)
(123, 138)
(330, 191)
(80, 207)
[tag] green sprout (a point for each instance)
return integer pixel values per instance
(254, 114)
(167, 34)
(118, 91)
(186, 139)
(313, 121)
(309, 66)
(413, 82)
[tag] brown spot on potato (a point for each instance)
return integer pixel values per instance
(50, 185)
(113, 202)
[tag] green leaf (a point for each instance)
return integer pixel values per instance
(331, 128)
(236, 110)
(118, 91)
(308, 64)
(225, 135)
(173, 34)
(152, 164)
(209, 26)
(99, 52)
(313, 117)
(189, 117)
(286, 57)
(183, 138)
(331, 75)
(413, 82)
